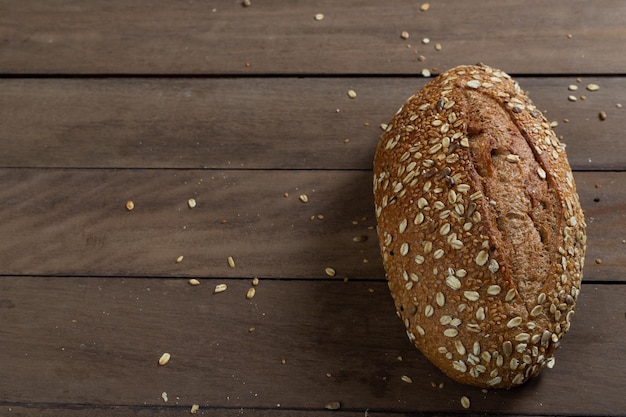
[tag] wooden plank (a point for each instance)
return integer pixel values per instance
(97, 341)
(55, 410)
(74, 222)
(60, 410)
(356, 36)
(256, 122)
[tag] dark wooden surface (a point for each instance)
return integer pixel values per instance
(244, 109)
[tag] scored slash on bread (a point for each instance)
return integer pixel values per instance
(480, 227)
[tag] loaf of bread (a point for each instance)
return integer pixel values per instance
(480, 227)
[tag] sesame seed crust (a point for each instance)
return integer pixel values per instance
(474, 195)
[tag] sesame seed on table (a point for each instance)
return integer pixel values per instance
(240, 137)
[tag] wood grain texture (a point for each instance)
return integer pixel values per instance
(157, 102)
(74, 222)
(97, 342)
(62, 410)
(102, 37)
(276, 123)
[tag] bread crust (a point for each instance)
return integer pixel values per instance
(480, 227)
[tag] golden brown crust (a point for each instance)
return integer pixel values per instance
(480, 227)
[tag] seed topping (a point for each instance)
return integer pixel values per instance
(514, 322)
(494, 290)
(481, 258)
(453, 282)
(471, 295)
(451, 332)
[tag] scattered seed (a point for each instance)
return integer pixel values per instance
(333, 405)
(598, 261)
(330, 272)
(194, 282)
(359, 238)
(425, 41)
(180, 259)
(572, 87)
(465, 402)
(255, 281)
(404, 34)
(572, 98)
(231, 262)
(196, 407)
(220, 288)
(191, 203)
(250, 293)
(593, 87)
(426, 72)
(424, 7)
(602, 116)
(251, 329)
(164, 396)
(351, 93)
(130, 205)
(406, 379)
(437, 46)
(304, 198)
(319, 16)
(164, 359)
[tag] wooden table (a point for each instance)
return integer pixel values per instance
(245, 109)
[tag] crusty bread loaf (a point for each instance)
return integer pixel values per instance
(480, 227)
